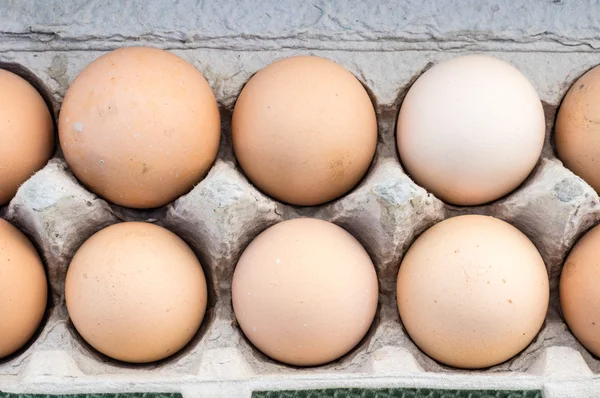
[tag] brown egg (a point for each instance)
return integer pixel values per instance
(139, 127)
(26, 133)
(578, 128)
(305, 292)
(579, 293)
(304, 130)
(23, 289)
(472, 291)
(136, 292)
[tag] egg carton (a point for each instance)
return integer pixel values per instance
(386, 46)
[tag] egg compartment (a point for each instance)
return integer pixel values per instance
(224, 212)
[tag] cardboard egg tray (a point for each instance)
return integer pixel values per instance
(387, 47)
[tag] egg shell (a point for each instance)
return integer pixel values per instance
(577, 130)
(579, 293)
(136, 292)
(472, 291)
(304, 130)
(26, 133)
(305, 292)
(471, 129)
(23, 289)
(139, 126)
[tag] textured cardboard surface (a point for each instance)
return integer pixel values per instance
(397, 393)
(387, 46)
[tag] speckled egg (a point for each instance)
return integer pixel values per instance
(304, 130)
(139, 126)
(472, 291)
(577, 130)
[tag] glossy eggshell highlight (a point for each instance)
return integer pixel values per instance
(136, 292)
(305, 292)
(304, 130)
(139, 126)
(471, 129)
(23, 289)
(472, 291)
(577, 131)
(26, 133)
(579, 293)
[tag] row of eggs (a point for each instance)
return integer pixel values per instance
(472, 291)
(141, 126)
